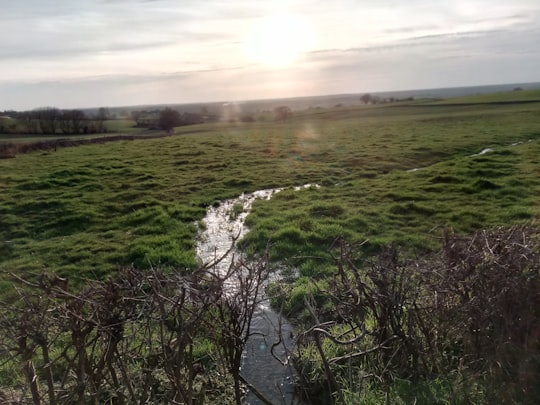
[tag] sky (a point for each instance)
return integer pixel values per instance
(92, 53)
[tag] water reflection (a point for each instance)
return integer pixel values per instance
(266, 363)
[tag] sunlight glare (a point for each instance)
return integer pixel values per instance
(278, 40)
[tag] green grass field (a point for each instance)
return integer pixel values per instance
(393, 174)
(85, 211)
(521, 96)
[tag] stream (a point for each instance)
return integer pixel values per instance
(272, 378)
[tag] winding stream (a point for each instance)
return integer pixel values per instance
(272, 378)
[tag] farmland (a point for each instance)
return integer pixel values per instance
(87, 210)
(398, 174)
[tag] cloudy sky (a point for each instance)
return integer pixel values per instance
(91, 53)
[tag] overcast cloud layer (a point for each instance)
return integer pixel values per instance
(75, 53)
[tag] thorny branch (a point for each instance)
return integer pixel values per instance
(131, 338)
(475, 302)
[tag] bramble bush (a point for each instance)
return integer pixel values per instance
(462, 325)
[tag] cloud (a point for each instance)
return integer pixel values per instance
(74, 52)
(335, 55)
(80, 53)
(410, 29)
(107, 26)
(437, 60)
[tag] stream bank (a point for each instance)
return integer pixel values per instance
(266, 363)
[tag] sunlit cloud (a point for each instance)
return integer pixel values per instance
(212, 50)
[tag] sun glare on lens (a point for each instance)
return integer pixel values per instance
(278, 40)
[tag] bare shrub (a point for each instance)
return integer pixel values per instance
(137, 338)
(473, 308)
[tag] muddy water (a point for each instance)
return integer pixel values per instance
(273, 378)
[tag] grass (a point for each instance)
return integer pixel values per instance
(502, 97)
(87, 210)
(388, 174)
(410, 209)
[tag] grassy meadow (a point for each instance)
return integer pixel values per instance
(527, 96)
(397, 174)
(86, 211)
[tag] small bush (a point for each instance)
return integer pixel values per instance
(459, 326)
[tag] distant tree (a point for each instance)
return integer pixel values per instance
(64, 122)
(101, 116)
(190, 119)
(366, 98)
(30, 122)
(48, 119)
(283, 113)
(77, 119)
(135, 115)
(169, 118)
(247, 118)
(71, 121)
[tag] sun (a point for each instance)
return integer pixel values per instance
(278, 40)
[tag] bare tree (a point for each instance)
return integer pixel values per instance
(283, 113)
(48, 118)
(130, 339)
(102, 115)
(30, 122)
(169, 118)
(70, 121)
(366, 98)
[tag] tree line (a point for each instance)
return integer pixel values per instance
(169, 118)
(53, 121)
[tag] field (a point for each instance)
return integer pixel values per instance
(500, 97)
(85, 211)
(388, 174)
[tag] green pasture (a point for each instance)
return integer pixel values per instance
(519, 96)
(86, 211)
(388, 174)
